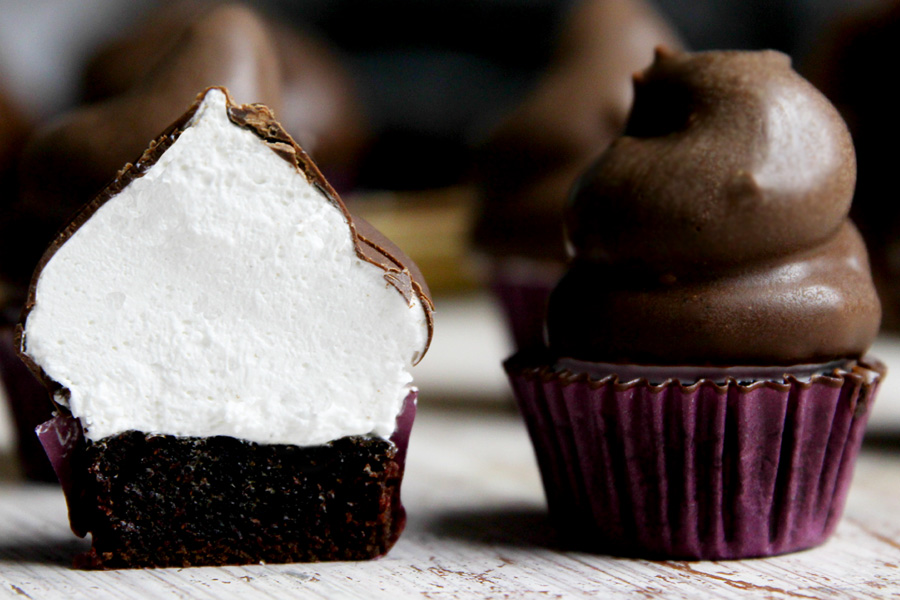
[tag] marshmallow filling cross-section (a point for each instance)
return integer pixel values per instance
(221, 293)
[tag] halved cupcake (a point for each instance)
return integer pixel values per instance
(234, 348)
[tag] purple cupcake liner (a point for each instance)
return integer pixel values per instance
(523, 293)
(400, 438)
(703, 471)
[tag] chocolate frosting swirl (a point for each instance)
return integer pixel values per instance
(715, 231)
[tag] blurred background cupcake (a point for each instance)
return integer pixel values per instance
(848, 64)
(527, 166)
(17, 382)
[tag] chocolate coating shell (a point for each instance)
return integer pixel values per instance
(814, 306)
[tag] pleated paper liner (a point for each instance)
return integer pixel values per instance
(704, 471)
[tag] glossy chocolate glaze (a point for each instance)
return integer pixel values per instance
(715, 231)
(686, 375)
(579, 105)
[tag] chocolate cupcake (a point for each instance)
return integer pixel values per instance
(527, 167)
(229, 351)
(704, 390)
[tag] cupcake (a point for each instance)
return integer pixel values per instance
(704, 388)
(229, 352)
(531, 159)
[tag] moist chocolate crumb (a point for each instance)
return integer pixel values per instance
(166, 501)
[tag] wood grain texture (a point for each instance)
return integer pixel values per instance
(477, 529)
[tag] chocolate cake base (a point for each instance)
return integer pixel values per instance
(165, 501)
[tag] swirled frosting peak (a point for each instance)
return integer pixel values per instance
(715, 230)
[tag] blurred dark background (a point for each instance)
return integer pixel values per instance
(434, 75)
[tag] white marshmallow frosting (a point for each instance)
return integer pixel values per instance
(221, 294)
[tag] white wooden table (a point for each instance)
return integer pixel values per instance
(477, 529)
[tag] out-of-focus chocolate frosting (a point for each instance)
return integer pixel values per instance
(70, 160)
(124, 61)
(320, 105)
(579, 105)
(715, 231)
(13, 127)
(848, 64)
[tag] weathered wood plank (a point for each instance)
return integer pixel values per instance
(477, 530)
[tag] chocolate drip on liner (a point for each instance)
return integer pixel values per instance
(540, 364)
